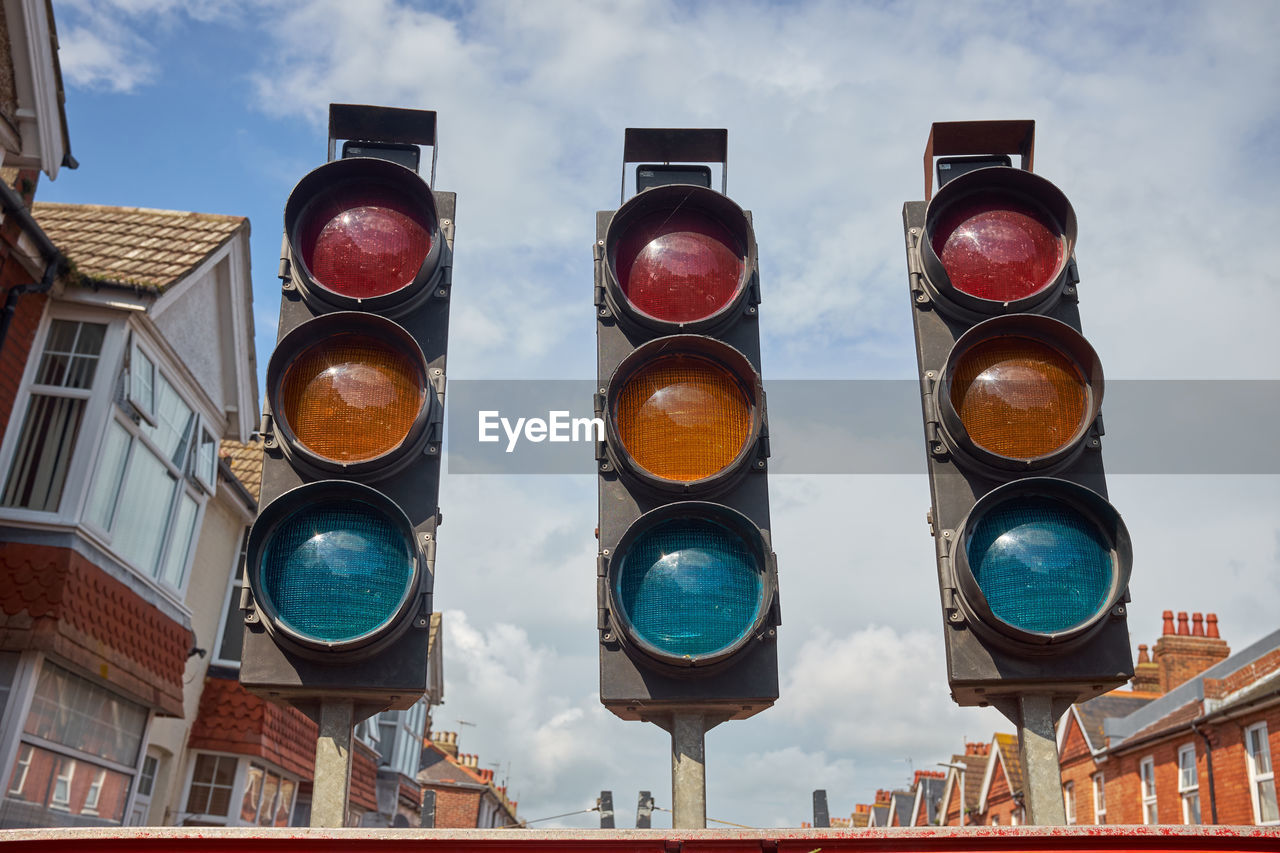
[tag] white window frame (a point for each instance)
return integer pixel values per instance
(1147, 790)
(145, 406)
(1256, 775)
(99, 400)
(1189, 789)
(208, 480)
(1099, 798)
(233, 796)
(107, 401)
(187, 485)
(230, 602)
(1069, 801)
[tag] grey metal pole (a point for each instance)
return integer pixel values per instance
(1042, 775)
(688, 771)
(332, 784)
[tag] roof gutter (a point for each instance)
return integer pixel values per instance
(55, 261)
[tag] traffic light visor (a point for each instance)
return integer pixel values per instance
(349, 388)
(678, 254)
(1046, 558)
(684, 410)
(333, 565)
(690, 588)
(363, 229)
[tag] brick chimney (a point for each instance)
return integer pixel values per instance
(447, 742)
(1183, 653)
(977, 748)
(862, 808)
(883, 797)
(925, 774)
(1146, 675)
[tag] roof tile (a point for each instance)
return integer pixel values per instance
(134, 246)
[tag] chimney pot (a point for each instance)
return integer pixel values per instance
(1143, 657)
(1212, 620)
(1182, 624)
(1197, 625)
(1168, 623)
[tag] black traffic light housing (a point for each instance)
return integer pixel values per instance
(638, 681)
(397, 484)
(989, 659)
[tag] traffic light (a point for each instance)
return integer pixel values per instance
(339, 564)
(687, 595)
(1033, 561)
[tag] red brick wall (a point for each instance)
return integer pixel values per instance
(1078, 768)
(17, 343)
(1000, 802)
(456, 808)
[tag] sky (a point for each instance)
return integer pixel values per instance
(1157, 120)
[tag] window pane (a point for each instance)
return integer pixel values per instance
(143, 512)
(211, 784)
(148, 778)
(232, 619)
(55, 790)
(285, 804)
(175, 565)
(1191, 808)
(74, 712)
(270, 787)
(207, 458)
(43, 457)
(142, 379)
(1260, 750)
(252, 794)
(106, 482)
(1267, 812)
(174, 418)
(71, 351)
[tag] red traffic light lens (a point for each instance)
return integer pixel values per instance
(679, 265)
(364, 240)
(998, 246)
(1019, 397)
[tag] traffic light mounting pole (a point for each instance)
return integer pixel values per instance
(1036, 718)
(333, 763)
(688, 771)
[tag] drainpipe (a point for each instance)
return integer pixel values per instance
(55, 261)
(1208, 760)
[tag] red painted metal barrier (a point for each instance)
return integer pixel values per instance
(1105, 839)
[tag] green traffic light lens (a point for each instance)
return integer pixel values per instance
(690, 588)
(337, 570)
(1042, 565)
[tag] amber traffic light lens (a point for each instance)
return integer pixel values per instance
(351, 398)
(683, 417)
(362, 241)
(998, 246)
(679, 265)
(1019, 397)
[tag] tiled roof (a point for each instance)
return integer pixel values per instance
(134, 246)
(1174, 720)
(55, 600)
(1096, 710)
(1012, 755)
(233, 720)
(245, 461)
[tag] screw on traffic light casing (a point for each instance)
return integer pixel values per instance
(1033, 561)
(687, 597)
(340, 562)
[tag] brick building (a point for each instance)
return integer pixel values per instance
(457, 792)
(960, 789)
(1191, 742)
